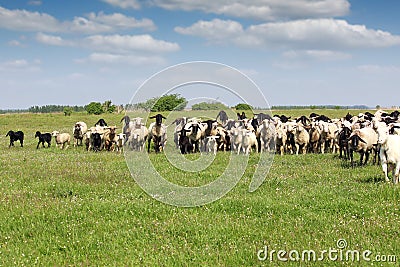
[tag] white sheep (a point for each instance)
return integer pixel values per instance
(137, 138)
(301, 138)
(62, 139)
(236, 137)
(280, 137)
(249, 139)
(211, 144)
(389, 152)
(329, 134)
(267, 133)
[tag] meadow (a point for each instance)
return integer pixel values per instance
(79, 208)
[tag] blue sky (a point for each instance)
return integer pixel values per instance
(299, 52)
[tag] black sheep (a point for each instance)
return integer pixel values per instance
(16, 136)
(101, 123)
(46, 137)
(222, 116)
(96, 142)
(184, 142)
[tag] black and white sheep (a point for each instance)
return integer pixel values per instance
(79, 131)
(157, 133)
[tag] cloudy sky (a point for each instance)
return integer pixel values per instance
(298, 52)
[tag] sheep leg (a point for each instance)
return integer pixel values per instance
(297, 148)
(396, 173)
(361, 157)
(366, 157)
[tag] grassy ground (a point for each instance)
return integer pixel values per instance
(82, 208)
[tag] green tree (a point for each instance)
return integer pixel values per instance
(242, 106)
(108, 107)
(68, 111)
(94, 108)
(169, 103)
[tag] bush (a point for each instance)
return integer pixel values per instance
(68, 111)
(94, 108)
(243, 106)
(209, 106)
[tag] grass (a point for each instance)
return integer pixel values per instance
(82, 208)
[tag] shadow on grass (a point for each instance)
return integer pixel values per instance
(370, 180)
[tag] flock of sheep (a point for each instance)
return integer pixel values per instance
(365, 133)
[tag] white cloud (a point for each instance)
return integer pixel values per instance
(122, 59)
(51, 40)
(320, 55)
(23, 20)
(308, 34)
(15, 43)
(124, 3)
(215, 30)
(378, 69)
(20, 65)
(261, 9)
(27, 21)
(121, 21)
(127, 43)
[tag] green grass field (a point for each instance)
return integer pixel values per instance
(79, 208)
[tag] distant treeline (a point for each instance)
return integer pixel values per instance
(322, 107)
(43, 109)
(54, 108)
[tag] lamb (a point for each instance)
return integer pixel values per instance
(46, 137)
(389, 153)
(119, 142)
(362, 141)
(16, 136)
(211, 144)
(157, 133)
(137, 138)
(248, 140)
(79, 132)
(62, 139)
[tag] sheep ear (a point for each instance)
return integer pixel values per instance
(163, 117)
(152, 117)
(362, 140)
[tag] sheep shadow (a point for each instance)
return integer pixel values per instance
(371, 180)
